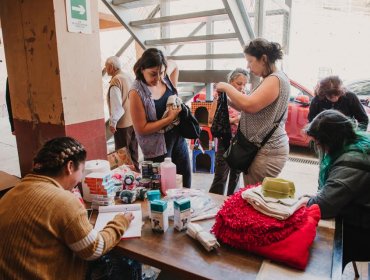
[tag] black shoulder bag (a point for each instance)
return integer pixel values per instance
(188, 127)
(242, 152)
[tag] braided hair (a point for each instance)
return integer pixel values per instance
(56, 153)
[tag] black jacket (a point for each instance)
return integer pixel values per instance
(348, 104)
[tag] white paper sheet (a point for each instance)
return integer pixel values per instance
(107, 213)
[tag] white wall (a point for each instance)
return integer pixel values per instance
(336, 39)
(3, 75)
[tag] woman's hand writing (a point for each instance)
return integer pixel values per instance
(128, 216)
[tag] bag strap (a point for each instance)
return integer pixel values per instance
(267, 137)
(173, 88)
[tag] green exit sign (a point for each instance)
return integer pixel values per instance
(78, 9)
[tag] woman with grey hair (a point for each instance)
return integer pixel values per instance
(238, 78)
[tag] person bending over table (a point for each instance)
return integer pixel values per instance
(331, 94)
(344, 178)
(45, 232)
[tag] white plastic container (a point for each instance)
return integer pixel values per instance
(91, 166)
(168, 175)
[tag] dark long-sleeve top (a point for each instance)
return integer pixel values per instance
(348, 104)
(347, 190)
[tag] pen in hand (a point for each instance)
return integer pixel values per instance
(128, 215)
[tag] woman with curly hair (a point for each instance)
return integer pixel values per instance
(331, 94)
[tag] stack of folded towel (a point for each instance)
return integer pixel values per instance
(240, 225)
(284, 235)
(279, 208)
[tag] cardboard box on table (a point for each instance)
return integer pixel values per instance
(119, 157)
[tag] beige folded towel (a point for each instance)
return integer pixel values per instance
(207, 239)
(279, 208)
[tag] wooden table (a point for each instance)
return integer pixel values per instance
(181, 257)
(7, 182)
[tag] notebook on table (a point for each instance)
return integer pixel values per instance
(107, 213)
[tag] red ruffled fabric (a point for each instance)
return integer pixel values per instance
(239, 225)
(295, 249)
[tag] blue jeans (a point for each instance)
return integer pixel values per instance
(177, 150)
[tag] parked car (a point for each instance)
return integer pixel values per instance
(300, 99)
(362, 89)
(299, 104)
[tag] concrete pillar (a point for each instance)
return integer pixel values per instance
(54, 77)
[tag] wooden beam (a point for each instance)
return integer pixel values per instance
(108, 22)
(203, 76)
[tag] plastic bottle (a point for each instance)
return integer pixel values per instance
(168, 175)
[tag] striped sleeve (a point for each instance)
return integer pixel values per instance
(88, 243)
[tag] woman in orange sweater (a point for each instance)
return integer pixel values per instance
(45, 232)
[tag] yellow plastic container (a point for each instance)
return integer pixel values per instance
(278, 188)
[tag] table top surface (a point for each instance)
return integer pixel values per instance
(178, 254)
(7, 181)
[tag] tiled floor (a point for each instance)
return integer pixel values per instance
(298, 169)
